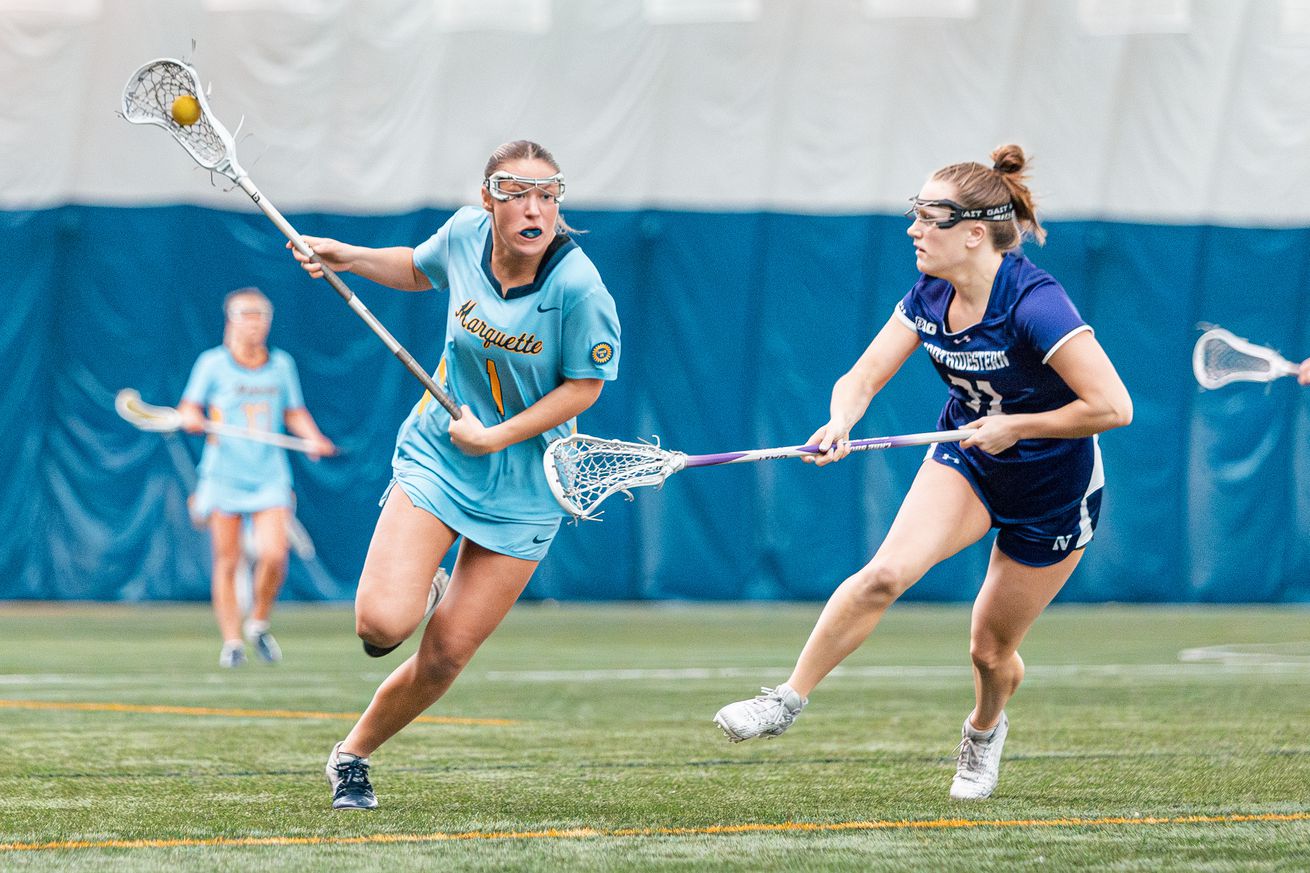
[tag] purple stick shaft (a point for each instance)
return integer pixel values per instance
(887, 442)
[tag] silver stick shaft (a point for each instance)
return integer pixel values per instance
(349, 296)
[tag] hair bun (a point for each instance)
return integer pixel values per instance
(1008, 159)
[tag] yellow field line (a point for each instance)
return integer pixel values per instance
(230, 713)
(713, 830)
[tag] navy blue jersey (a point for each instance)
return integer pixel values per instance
(1000, 366)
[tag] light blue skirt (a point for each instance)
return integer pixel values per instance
(529, 540)
(220, 495)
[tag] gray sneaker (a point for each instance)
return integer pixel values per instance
(440, 582)
(767, 715)
(348, 776)
(979, 766)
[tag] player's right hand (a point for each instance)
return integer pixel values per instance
(335, 255)
(834, 444)
(1303, 375)
(192, 420)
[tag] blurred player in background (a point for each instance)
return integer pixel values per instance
(1026, 373)
(531, 337)
(244, 383)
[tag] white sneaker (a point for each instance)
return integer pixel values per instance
(257, 635)
(440, 582)
(767, 715)
(232, 655)
(979, 765)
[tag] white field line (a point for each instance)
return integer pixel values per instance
(1181, 671)
(1214, 662)
(1250, 653)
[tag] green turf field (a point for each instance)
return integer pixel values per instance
(587, 745)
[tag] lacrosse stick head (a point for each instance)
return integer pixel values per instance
(1220, 357)
(148, 99)
(583, 470)
(144, 416)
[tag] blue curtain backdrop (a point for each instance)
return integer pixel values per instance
(735, 326)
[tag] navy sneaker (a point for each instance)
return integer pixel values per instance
(348, 776)
(378, 651)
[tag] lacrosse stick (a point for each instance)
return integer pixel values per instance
(583, 470)
(165, 419)
(1219, 357)
(148, 98)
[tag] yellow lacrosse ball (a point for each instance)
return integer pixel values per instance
(186, 110)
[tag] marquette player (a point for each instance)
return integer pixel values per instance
(531, 337)
(1025, 372)
(244, 383)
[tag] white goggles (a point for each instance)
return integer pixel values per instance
(249, 312)
(506, 186)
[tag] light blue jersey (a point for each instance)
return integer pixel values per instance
(241, 476)
(504, 351)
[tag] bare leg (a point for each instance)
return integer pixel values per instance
(482, 589)
(407, 547)
(939, 516)
(1012, 597)
(225, 539)
(271, 564)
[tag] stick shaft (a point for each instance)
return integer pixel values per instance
(861, 445)
(295, 444)
(349, 296)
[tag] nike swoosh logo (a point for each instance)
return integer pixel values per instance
(540, 308)
(540, 541)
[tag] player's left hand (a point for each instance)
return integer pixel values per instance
(470, 436)
(992, 433)
(1303, 374)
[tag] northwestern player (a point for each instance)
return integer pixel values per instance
(244, 383)
(531, 338)
(1024, 371)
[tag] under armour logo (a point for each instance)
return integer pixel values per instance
(962, 339)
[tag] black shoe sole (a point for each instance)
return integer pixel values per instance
(378, 651)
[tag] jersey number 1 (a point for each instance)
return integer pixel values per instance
(496, 394)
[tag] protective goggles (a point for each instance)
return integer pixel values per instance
(948, 213)
(506, 186)
(249, 312)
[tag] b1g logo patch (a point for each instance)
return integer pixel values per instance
(602, 352)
